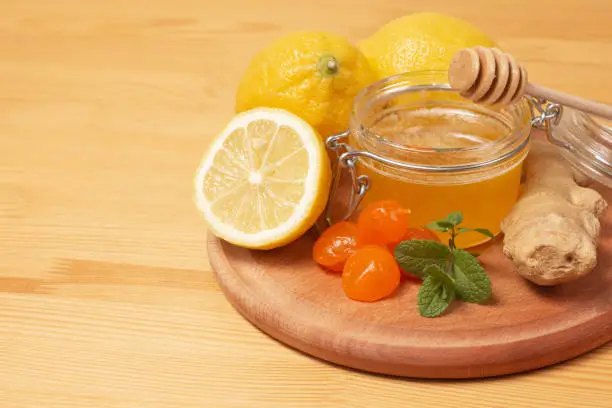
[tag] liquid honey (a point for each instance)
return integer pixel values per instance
(441, 136)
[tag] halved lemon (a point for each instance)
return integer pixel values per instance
(264, 180)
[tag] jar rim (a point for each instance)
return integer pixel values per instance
(506, 146)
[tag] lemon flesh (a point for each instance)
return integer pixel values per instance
(264, 180)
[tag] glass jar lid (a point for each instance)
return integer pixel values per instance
(585, 142)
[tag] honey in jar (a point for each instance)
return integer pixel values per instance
(421, 144)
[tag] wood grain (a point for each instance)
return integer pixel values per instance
(106, 295)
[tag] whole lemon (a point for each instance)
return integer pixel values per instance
(420, 42)
(314, 75)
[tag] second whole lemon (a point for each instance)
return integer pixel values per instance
(314, 75)
(420, 42)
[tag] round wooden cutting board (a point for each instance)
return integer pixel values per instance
(524, 326)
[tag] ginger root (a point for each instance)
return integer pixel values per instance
(551, 234)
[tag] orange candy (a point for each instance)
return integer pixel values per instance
(370, 274)
(382, 222)
(335, 245)
(363, 252)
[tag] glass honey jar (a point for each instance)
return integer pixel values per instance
(414, 140)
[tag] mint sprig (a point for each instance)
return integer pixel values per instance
(448, 272)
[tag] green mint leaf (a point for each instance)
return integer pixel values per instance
(442, 226)
(435, 294)
(483, 231)
(455, 218)
(471, 281)
(438, 273)
(416, 255)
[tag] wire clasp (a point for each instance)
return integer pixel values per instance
(345, 159)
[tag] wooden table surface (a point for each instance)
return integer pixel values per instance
(106, 295)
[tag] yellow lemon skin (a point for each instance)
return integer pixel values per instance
(314, 75)
(420, 42)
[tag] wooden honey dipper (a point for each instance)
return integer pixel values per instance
(489, 76)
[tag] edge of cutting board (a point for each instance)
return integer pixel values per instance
(286, 295)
